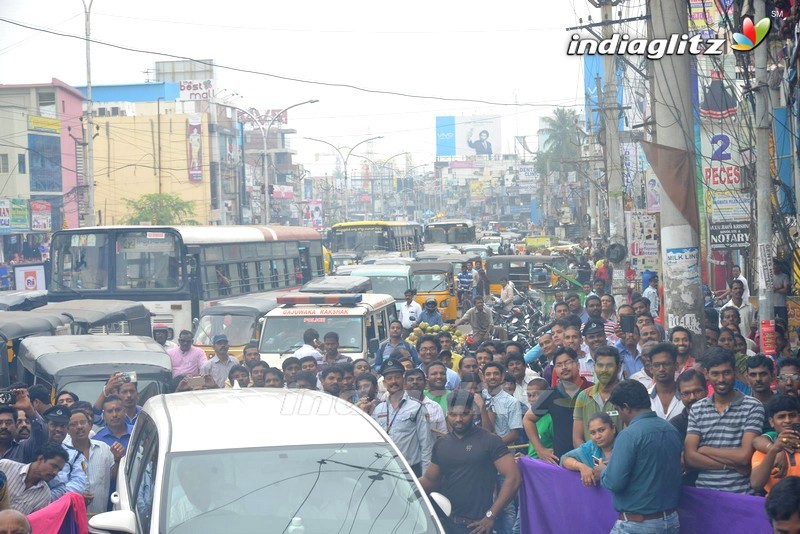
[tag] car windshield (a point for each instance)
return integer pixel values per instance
(427, 282)
(90, 389)
(322, 488)
(390, 285)
(284, 334)
(240, 329)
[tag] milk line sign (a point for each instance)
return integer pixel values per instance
(730, 235)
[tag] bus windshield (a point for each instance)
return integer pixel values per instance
(435, 234)
(240, 329)
(80, 261)
(284, 334)
(461, 234)
(359, 240)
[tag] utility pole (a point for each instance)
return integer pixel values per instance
(613, 154)
(89, 167)
(674, 127)
(766, 312)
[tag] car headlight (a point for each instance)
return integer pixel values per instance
(445, 303)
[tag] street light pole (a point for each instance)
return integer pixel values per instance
(372, 181)
(265, 133)
(89, 165)
(344, 161)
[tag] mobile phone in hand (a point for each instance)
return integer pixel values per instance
(627, 323)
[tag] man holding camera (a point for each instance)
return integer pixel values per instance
(124, 385)
(23, 451)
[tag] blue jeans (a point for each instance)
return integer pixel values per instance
(504, 524)
(661, 525)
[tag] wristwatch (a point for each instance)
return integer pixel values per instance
(489, 514)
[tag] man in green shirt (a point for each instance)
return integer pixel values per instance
(436, 372)
(597, 398)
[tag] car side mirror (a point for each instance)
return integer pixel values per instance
(116, 521)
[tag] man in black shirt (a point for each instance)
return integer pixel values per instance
(691, 388)
(464, 467)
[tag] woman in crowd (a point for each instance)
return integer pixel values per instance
(583, 459)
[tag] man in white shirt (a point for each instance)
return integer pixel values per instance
(736, 273)
(414, 382)
(507, 294)
(311, 346)
(409, 311)
(651, 294)
(664, 398)
(746, 312)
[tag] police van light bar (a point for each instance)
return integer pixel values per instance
(319, 299)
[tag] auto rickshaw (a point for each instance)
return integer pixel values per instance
(83, 364)
(434, 279)
(18, 325)
(99, 317)
(238, 318)
(22, 299)
(529, 272)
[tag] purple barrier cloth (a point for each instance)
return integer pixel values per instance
(553, 499)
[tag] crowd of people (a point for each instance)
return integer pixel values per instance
(606, 392)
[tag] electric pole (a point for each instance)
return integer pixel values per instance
(674, 130)
(766, 312)
(89, 166)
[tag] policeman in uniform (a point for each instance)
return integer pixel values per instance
(73, 476)
(404, 418)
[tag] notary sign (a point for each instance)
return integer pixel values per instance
(730, 235)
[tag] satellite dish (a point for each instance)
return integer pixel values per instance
(615, 253)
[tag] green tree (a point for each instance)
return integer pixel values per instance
(160, 209)
(563, 138)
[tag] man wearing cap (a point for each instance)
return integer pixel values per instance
(72, 477)
(404, 418)
(220, 365)
(594, 334)
(186, 358)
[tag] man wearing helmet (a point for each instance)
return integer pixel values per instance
(430, 314)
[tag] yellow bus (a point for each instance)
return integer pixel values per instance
(376, 237)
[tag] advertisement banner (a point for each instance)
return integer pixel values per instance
(730, 236)
(196, 90)
(44, 154)
(793, 305)
(41, 218)
(283, 191)
(653, 192)
(19, 215)
(680, 275)
(194, 139)
(476, 190)
(475, 135)
(5, 216)
(729, 206)
(644, 248)
(630, 168)
(30, 277)
(721, 164)
(44, 124)
(312, 213)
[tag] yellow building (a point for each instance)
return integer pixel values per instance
(152, 153)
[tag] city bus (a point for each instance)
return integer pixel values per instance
(176, 271)
(450, 231)
(376, 237)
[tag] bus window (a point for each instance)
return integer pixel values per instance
(369, 324)
(244, 273)
(223, 280)
(380, 320)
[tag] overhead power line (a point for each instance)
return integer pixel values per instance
(271, 75)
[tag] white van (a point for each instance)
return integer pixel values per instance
(361, 320)
(263, 460)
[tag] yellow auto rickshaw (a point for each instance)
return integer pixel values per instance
(434, 279)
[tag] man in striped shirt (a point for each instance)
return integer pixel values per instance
(27, 483)
(722, 427)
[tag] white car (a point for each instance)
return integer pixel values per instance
(262, 460)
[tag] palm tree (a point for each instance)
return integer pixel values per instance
(563, 138)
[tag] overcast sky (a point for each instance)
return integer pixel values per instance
(502, 51)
